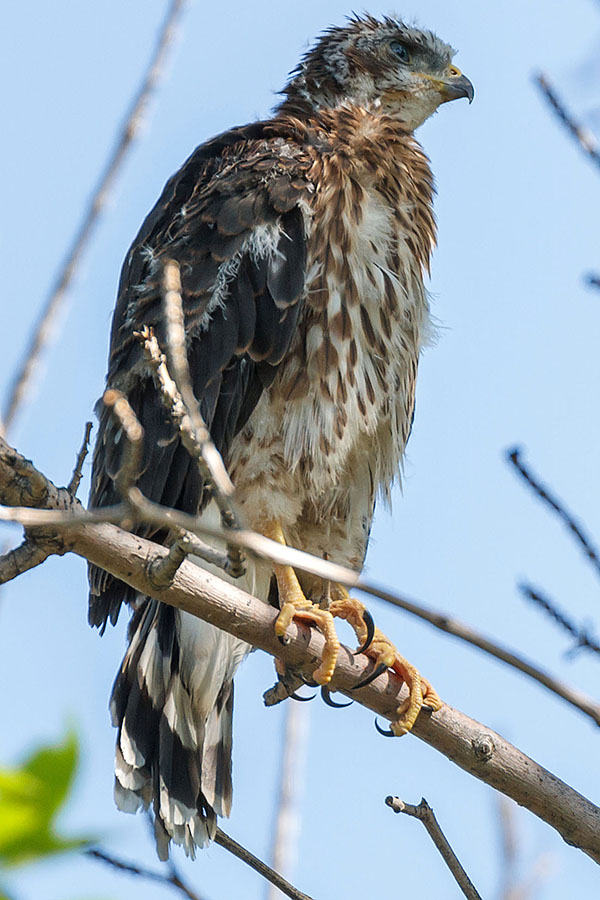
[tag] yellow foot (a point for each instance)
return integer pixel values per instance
(385, 655)
(294, 605)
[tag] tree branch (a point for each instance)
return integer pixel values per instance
(262, 868)
(469, 744)
(44, 329)
(425, 814)
(26, 556)
(14, 492)
(544, 493)
(584, 138)
(583, 639)
(173, 879)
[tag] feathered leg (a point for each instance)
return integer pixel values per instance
(295, 605)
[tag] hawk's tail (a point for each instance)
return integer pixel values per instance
(172, 703)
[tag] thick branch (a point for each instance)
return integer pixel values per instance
(24, 557)
(469, 744)
(260, 546)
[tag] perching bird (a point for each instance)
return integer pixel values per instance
(303, 242)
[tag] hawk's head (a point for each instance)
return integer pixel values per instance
(406, 71)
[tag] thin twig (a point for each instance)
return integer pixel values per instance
(544, 493)
(458, 629)
(196, 547)
(178, 362)
(73, 485)
(262, 868)
(21, 384)
(195, 441)
(209, 459)
(584, 138)
(173, 880)
(425, 814)
(259, 546)
(583, 639)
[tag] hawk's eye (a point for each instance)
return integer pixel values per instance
(401, 51)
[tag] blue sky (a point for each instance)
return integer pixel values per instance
(516, 361)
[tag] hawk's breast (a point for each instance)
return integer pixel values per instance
(345, 392)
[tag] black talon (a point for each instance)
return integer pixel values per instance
(381, 668)
(300, 699)
(382, 731)
(368, 620)
(283, 639)
(309, 681)
(326, 695)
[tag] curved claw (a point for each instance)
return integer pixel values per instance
(382, 731)
(295, 696)
(309, 681)
(368, 620)
(326, 695)
(379, 670)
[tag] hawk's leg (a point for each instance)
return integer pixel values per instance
(381, 649)
(294, 605)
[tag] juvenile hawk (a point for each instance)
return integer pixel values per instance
(303, 241)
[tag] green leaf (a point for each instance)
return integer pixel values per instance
(31, 797)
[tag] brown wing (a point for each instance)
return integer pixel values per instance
(232, 219)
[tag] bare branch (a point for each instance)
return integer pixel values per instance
(262, 547)
(178, 361)
(584, 138)
(173, 880)
(452, 626)
(73, 485)
(590, 551)
(193, 545)
(24, 557)
(162, 569)
(425, 814)
(583, 639)
(210, 458)
(262, 868)
(43, 332)
(196, 439)
(467, 743)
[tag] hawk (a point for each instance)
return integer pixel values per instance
(303, 241)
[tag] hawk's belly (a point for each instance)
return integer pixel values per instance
(332, 429)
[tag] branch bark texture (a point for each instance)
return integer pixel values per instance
(471, 745)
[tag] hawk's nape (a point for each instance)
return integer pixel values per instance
(302, 242)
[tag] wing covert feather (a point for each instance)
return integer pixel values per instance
(232, 218)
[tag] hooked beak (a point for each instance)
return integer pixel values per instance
(451, 86)
(456, 86)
